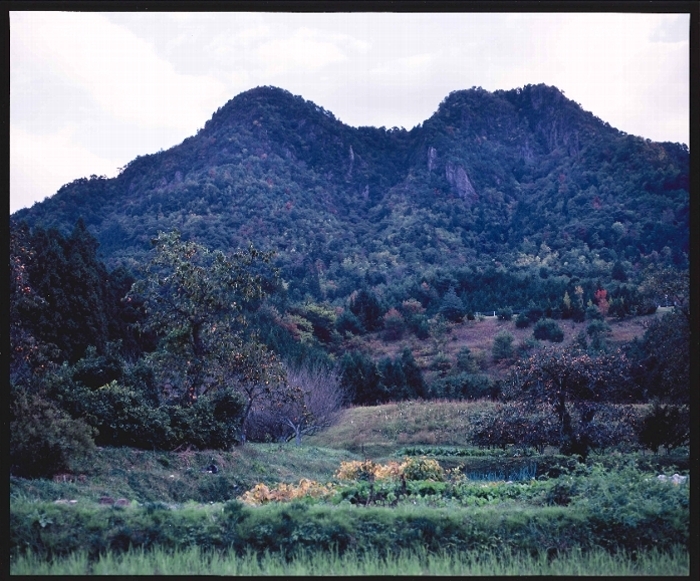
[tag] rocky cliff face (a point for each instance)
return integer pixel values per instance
(459, 180)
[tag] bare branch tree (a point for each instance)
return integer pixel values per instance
(312, 402)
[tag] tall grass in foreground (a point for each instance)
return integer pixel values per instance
(193, 561)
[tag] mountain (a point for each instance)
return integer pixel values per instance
(506, 197)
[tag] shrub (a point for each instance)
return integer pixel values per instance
(348, 322)
(441, 363)
(462, 386)
(548, 330)
(527, 345)
(505, 314)
(631, 510)
(410, 469)
(394, 325)
(593, 312)
(262, 494)
(122, 418)
(597, 330)
(502, 346)
(522, 321)
(466, 361)
(418, 325)
(45, 440)
(422, 469)
(665, 425)
(213, 421)
(452, 307)
(534, 313)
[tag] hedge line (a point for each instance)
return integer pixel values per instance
(54, 530)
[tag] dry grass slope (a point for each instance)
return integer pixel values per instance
(379, 430)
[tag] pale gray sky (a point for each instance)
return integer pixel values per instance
(91, 91)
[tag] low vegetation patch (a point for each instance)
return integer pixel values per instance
(416, 504)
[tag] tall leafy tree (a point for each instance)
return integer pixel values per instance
(27, 354)
(72, 281)
(666, 358)
(567, 381)
(198, 303)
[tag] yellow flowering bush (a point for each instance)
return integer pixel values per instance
(262, 494)
(422, 469)
(410, 469)
(356, 470)
(385, 471)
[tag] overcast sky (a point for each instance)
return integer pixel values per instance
(91, 91)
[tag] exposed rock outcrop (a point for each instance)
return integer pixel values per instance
(459, 180)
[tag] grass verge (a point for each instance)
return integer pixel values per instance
(194, 561)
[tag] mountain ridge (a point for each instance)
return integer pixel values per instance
(489, 178)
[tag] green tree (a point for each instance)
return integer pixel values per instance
(502, 347)
(198, 303)
(666, 358)
(29, 356)
(598, 330)
(415, 384)
(360, 378)
(394, 325)
(367, 308)
(618, 272)
(665, 425)
(452, 307)
(567, 380)
(66, 273)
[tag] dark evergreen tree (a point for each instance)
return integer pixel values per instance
(367, 308)
(452, 307)
(360, 379)
(415, 384)
(393, 381)
(618, 272)
(73, 282)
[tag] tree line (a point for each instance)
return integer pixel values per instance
(201, 348)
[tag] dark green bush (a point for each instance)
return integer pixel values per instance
(623, 513)
(502, 347)
(348, 322)
(418, 325)
(665, 425)
(630, 509)
(461, 386)
(505, 314)
(548, 330)
(593, 313)
(452, 307)
(123, 418)
(45, 440)
(213, 421)
(522, 321)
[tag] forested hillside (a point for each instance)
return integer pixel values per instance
(507, 196)
(279, 246)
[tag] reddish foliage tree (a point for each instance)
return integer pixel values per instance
(573, 386)
(601, 299)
